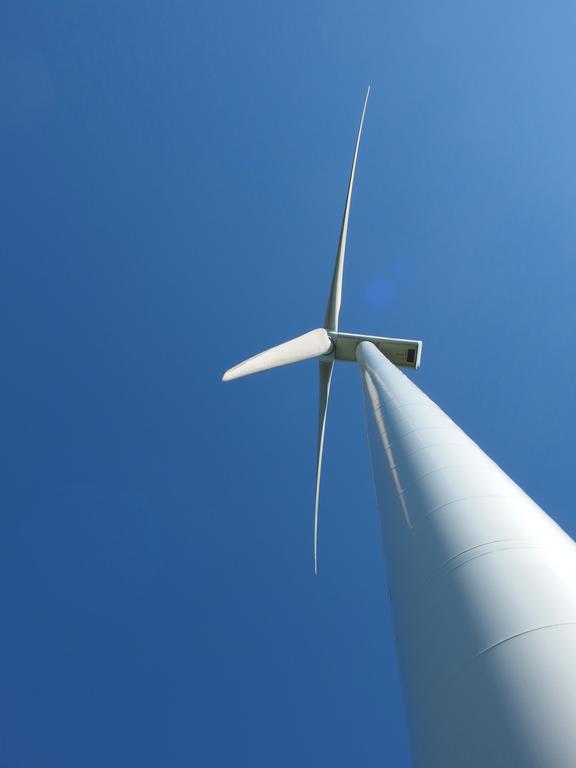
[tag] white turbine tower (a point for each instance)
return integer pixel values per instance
(482, 581)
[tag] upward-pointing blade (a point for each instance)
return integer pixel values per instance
(335, 298)
(325, 379)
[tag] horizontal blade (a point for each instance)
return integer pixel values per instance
(312, 344)
(325, 379)
(335, 298)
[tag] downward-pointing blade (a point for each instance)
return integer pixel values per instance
(325, 379)
(312, 344)
(335, 298)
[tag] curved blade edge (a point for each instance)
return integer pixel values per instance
(335, 298)
(325, 370)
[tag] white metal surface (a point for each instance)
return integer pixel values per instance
(483, 590)
(335, 297)
(312, 344)
(403, 352)
(482, 581)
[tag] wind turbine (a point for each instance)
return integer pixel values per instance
(482, 582)
(327, 343)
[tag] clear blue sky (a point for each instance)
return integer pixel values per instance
(173, 176)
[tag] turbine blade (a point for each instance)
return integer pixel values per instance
(312, 344)
(335, 298)
(325, 379)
